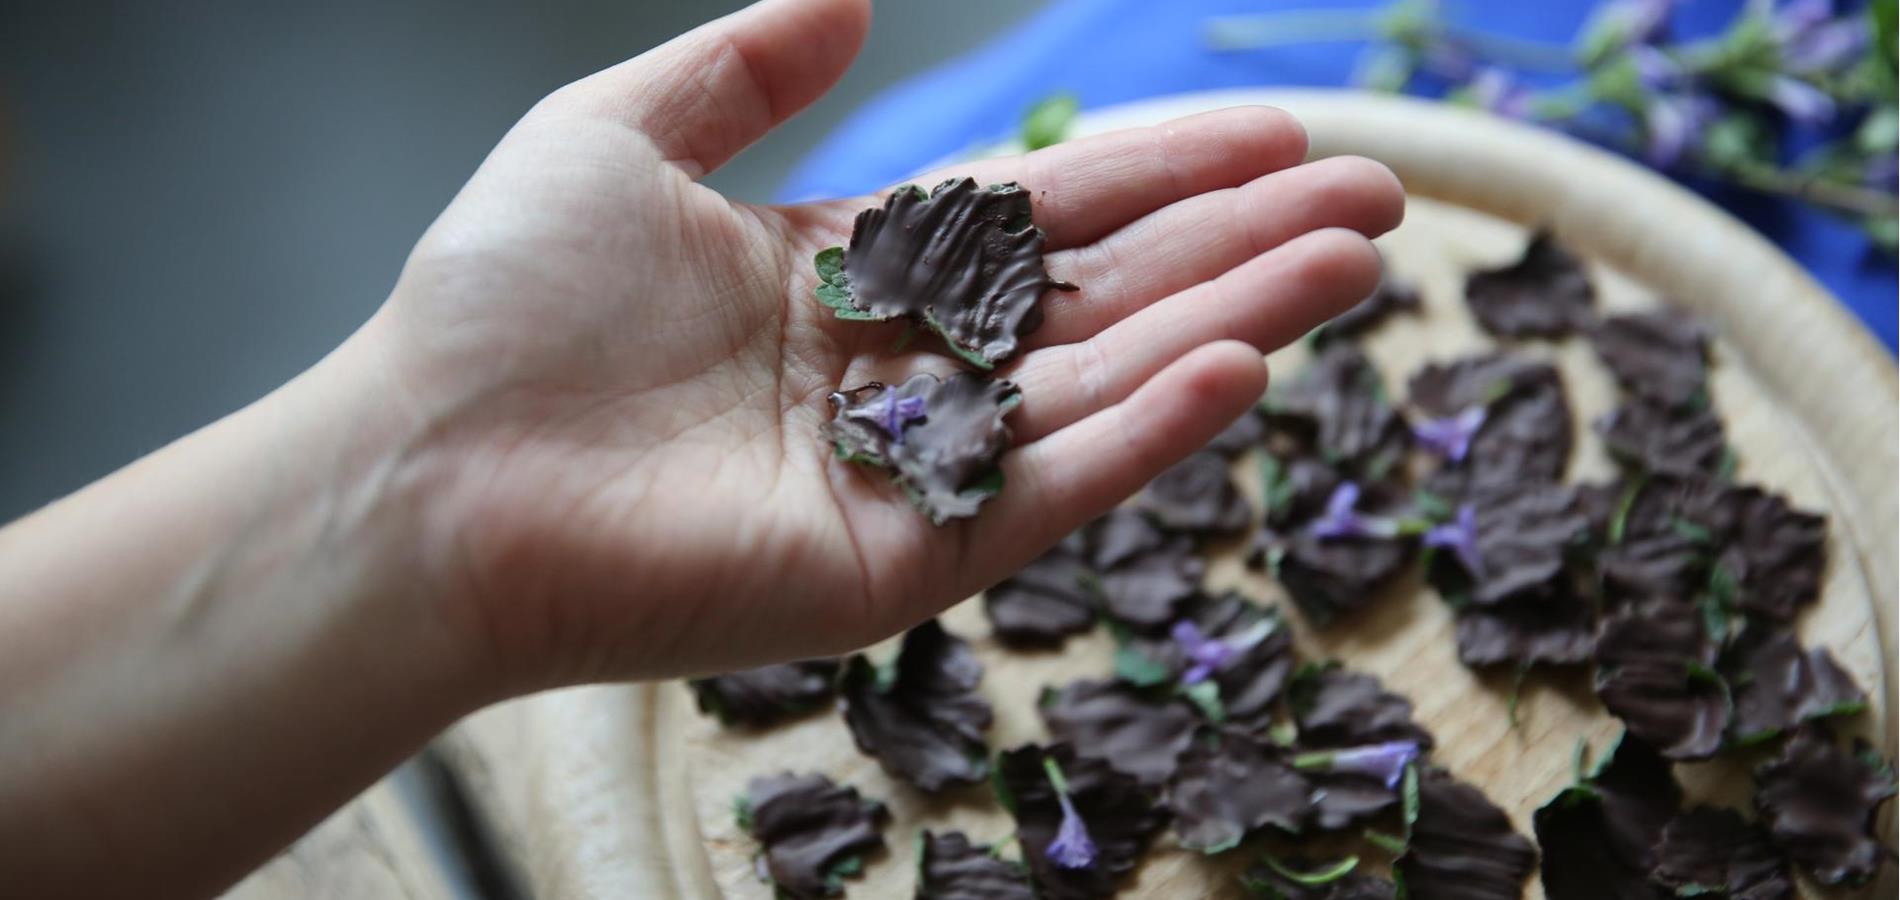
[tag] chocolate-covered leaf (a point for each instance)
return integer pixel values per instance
(810, 830)
(1105, 808)
(1779, 555)
(1230, 783)
(1462, 847)
(1342, 559)
(1715, 852)
(1244, 651)
(1296, 489)
(1526, 434)
(925, 723)
(1509, 545)
(769, 694)
(1819, 803)
(1672, 441)
(1546, 293)
(1196, 496)
(949, 867)
(1048, 600)
(1343, 800)
(1661, 356)
(940, 439)
(1392, 296)
(1338, 404)
(1131, 729)
(1653, 672)
(1555, 627)
(1247, 432)
(964, 260)
(1779, 685)
(1598, 837)
(1337, 708)
(1147, 589)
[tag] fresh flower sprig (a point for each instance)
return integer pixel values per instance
(1715, 108)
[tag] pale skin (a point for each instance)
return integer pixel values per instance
(579, 442)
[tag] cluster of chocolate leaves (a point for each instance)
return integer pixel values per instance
(1676, 585)
(966, 263)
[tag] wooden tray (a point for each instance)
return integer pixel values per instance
(624, 791)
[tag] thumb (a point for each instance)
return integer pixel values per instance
(707, 94)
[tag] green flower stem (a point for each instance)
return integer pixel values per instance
(1520, 53)
(1835, 195)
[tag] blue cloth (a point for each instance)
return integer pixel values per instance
(1113, 51)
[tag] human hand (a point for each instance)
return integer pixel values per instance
(614, 377)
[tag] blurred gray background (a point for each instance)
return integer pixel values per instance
(198, 199)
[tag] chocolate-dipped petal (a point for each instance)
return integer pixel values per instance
(1819, 803)
(1338, 404)
(1680, 441)
(1711, 851)
(1654, 672)
(1119, 816)
(769, 694)
(1196, 496)
(1779, 685)
(1661, 356)
(1247, 432)
(1527, 431)
(1230, 783)
(1337, 708)
(1462, 847)
(964, 260)
(1127, 728)
(1780, 555)
(1555, 627)
(926, 724)
(1392, 296)
(1598, 837)
(949, 867)
(812, 831)
(1051, 598)
(1546, 293)
(940, 439)
(1146, 590)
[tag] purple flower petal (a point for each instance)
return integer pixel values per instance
(1828, 47)
(1385, 761)
(1204, 656)
(1800, 100)
(1072, 848)
(1451, 436)
(1655, 68)
(1460, 536)
(894, 414)
(1341, 521)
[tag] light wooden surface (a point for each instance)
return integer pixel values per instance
(372, 849)
(624, 791)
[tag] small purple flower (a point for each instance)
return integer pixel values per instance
(1450, 437)
(895, 413)
(1636, 22)
(1495, 90)
(1341, 521)
(1799, 100)
(1385, 761)
(1655, 69)
(1207, 655)
(1813, 40)
(1676, 122)
(1072, 847)
(1204, 655)
(1460, 536)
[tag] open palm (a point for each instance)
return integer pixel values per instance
(624, 373)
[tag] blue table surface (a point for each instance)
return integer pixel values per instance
(1114, 51)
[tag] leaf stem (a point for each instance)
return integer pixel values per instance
(1255, 32)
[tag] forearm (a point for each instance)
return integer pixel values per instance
(204, 653)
